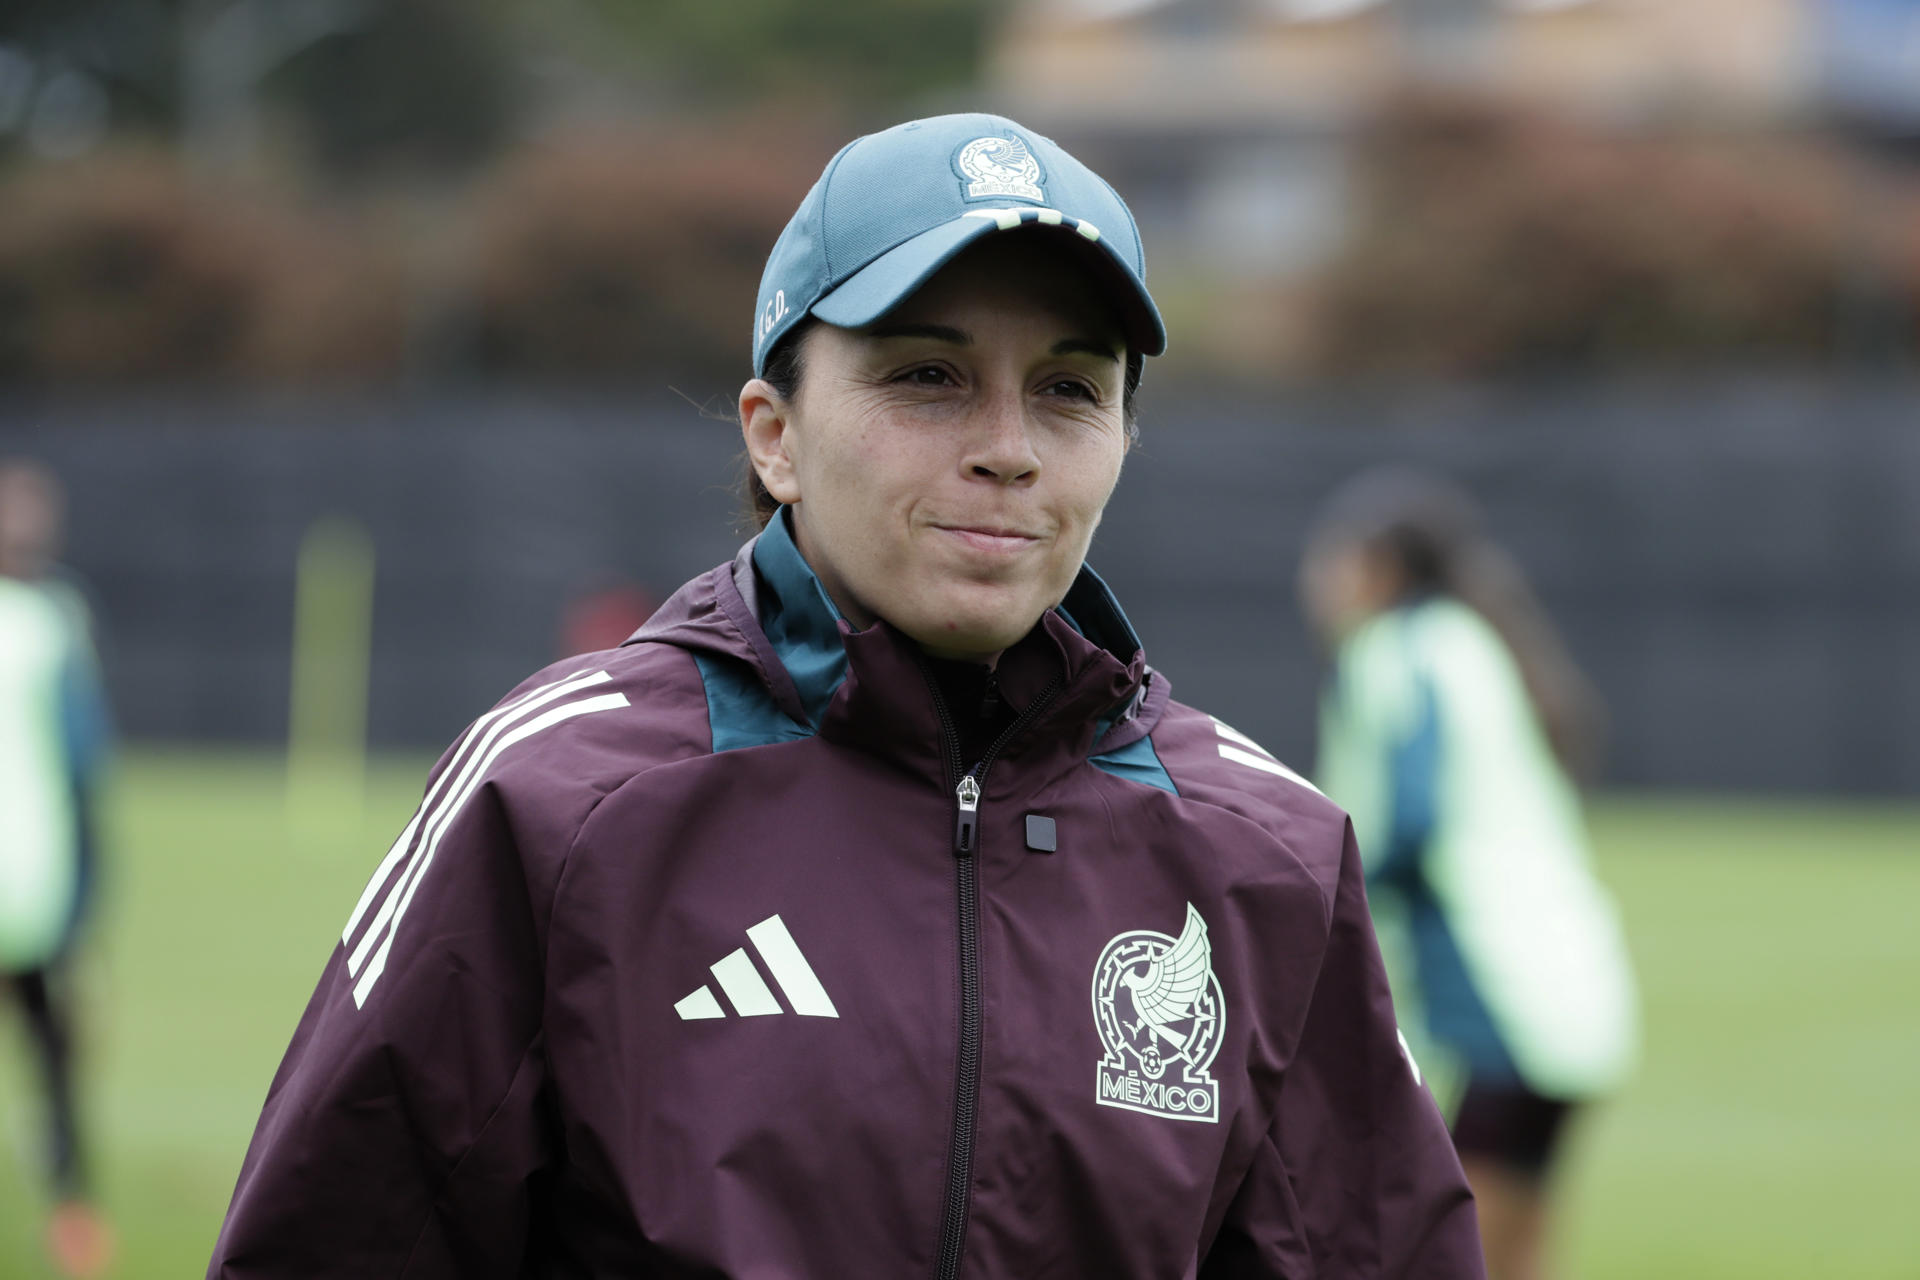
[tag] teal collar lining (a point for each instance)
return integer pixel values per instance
(798, 617)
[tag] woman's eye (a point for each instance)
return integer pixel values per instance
(926, 376)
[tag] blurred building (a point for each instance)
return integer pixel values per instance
(1224, 62)
(1229, 117)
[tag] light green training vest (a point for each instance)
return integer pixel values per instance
(37, 821)
(1507, 857)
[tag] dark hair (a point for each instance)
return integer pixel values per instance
(1431, 532)
(785, 366)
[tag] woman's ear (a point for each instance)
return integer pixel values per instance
(765, 421)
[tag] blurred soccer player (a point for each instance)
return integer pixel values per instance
(52, 742)
(1452, 730)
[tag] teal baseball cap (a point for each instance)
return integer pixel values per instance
(894, 207)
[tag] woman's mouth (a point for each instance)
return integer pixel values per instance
(992, 539)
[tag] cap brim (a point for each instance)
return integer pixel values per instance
(897, 274)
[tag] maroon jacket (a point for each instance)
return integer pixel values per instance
(710, 956)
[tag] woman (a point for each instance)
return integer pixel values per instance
(873, 911)
(53, 746)
(1453, 728)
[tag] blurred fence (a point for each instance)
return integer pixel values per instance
(1736, 563)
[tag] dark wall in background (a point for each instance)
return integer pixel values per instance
(1738, 565)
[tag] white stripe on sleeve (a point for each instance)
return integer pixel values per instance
(440, 815)
(487, 724)
(430, 842)
(1264, 764)
(1232, 734)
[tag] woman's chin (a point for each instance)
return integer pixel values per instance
(968, 639)
(971, 620)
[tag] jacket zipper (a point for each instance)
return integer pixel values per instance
(966, 842)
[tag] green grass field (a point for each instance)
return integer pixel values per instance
(1773, 1130)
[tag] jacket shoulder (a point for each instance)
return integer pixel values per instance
(1210, 762)
(580, 728)
(517, 784)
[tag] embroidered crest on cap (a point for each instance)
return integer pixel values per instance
(999, 167)
(1159, 1012)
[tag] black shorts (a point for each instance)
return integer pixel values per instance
(1509, 1124)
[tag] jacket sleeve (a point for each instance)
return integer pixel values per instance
(1357, 1176)
(404, 1133)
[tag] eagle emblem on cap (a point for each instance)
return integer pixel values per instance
(1000, 167)
(1158, 1009)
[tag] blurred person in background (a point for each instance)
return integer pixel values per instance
(1454, 728)
(1027, 969)
(603, 617)
(53, 741)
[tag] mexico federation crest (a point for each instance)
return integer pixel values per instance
(1000, 167)
(1159, 1012)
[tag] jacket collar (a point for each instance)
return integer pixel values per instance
(869, 688)
(768, 610)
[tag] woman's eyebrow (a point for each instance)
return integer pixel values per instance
(938, 332)
(961, 338)
(1085, 346)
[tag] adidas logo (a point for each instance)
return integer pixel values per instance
(748, 992)
(1239, 748)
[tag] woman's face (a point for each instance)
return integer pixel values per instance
(1344, 582)
(947, 466)
(30, 514)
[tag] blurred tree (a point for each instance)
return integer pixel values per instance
(607, 254)
(1491, 241)
(124, 269)
(63, 62)
(866, 53)
(410, 85)
(372, 83)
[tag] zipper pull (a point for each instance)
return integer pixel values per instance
(966, 829)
